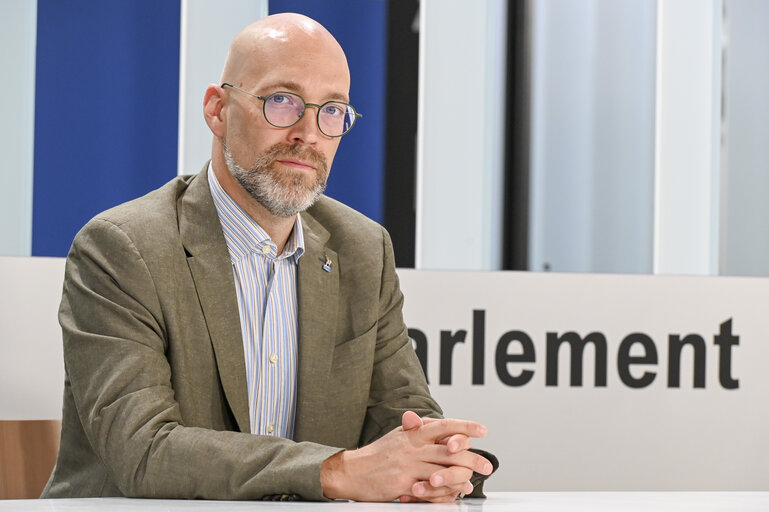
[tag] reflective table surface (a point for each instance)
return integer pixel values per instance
(496, 502)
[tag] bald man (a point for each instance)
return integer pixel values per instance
(235, 334)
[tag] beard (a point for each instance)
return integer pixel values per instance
(286, 192)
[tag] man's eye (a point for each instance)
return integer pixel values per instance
(280, 98)
(333, 110)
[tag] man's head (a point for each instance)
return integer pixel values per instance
(283, 169)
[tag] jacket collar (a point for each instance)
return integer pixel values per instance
(317, 300)
(211, 268)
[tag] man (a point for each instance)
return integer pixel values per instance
(221, 342)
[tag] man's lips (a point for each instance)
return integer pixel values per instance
(297, 164)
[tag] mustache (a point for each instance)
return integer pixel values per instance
(299, 151)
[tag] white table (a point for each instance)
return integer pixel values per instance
(496, 502)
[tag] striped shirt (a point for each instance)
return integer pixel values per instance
(265, 283)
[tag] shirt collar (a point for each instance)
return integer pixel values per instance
(244, 235)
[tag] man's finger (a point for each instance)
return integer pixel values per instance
(436, 430)
(411, 420)
(439, 455)
(455, 477)
(414, 499)
(456, 443)
(426, 492)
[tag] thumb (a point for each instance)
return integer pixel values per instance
(411, 420)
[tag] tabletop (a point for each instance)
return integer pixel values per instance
(496, 502)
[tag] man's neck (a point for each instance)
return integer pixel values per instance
(277, 228)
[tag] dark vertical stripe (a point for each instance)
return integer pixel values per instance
(517, 137)
(401, 135)
(106, 110)
(360, 27)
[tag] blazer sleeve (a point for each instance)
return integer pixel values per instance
(398, 383)
(120, 379)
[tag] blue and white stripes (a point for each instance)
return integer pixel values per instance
(266, 290)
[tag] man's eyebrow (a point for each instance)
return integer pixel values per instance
(290, 86)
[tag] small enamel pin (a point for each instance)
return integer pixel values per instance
(327, 265)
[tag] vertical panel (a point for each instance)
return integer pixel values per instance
(360, 27)
(623, 137)
(460, 149)
(562, 126)
(745, 210)
(29, 451)
(517, 137)
(687, 137)
(207, 30)
(592, 150)
(29, 299)
(401, 136)
(106, 112)
(18, 27)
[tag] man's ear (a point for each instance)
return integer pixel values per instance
(213, 105)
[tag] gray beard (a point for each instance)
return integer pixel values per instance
(282, 193)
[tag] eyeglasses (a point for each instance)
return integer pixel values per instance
(283, 109)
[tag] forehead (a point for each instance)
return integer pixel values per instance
(317, 70)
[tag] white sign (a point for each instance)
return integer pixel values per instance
(586, 382)
(602, 382)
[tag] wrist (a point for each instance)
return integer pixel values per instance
(333, 476)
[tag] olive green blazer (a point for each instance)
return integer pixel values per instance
(155, 398)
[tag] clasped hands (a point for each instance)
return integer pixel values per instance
(425, 459)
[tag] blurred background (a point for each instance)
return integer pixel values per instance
(623, 136)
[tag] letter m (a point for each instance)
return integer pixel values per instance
(577, 346)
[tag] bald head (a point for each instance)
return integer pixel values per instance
(281, 40)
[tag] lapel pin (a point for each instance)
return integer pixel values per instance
(327, 265)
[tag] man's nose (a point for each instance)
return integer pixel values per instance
(306, 129)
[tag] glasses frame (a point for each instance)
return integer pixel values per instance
(317, 114)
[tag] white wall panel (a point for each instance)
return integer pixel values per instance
(18, 31)
(592, 135)
(460, 146)
(31, 356)
(206, 33)
(687, 161)
(744, 209)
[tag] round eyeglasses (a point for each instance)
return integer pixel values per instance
(283, 109)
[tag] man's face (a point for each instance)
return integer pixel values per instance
(284, 169)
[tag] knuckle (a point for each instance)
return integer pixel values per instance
(404, 483)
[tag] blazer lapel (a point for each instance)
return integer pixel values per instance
(211, 268)
(317, 299)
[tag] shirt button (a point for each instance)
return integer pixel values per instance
(270, 428)
(273, 358)
(266, 249)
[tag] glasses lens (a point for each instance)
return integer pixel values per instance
(283, 109)
(335, 118)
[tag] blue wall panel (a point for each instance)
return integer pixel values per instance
(106, 110)
(360, 26)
